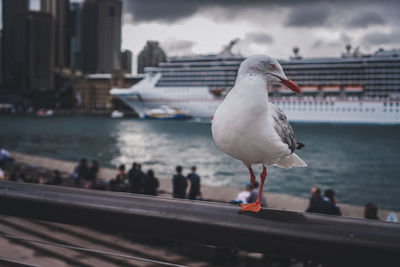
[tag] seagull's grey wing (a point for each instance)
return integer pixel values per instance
(282, 127)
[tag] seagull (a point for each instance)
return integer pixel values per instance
(249, 128)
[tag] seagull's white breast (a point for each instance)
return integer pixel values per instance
(243, 128)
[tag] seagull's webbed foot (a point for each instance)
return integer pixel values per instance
(252, 207)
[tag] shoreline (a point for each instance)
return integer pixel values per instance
(220, 194)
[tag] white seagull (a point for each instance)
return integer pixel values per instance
(249, 128)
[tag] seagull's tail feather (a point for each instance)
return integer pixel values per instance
(291, 161)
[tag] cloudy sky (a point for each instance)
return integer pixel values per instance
(273, 27)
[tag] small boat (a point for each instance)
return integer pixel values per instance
(166, 113)
(44, 112)
(117, 114)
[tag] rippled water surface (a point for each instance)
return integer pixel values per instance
(361, 163)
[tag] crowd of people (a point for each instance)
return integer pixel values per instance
(137, 181)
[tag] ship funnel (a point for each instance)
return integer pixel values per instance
(296, 51)
(348, 48)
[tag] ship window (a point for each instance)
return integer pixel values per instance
(397, 104)
(354, 109)
(367, 109)
(373, 110)
(384, 110)
(360, 109)
(349, 109)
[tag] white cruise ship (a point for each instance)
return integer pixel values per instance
(353, 88)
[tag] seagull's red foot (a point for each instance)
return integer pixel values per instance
(253, 207)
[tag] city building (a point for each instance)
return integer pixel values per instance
(60, 12)
(92, 92)
(76, 37)
(101, 35)
(126, 61)
(36, 73)
(12, 40)
(150, 56)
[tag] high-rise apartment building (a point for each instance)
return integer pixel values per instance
(59, 9)
(150, 56)
(101, 35)
(12, 40)
(126, 61)
(76, 37)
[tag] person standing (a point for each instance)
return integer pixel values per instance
(92, 175)
(194, 180)
(150, 184)
(137, 179)
(317, 204)
(333, 206)
(179, 183)
(81, 172)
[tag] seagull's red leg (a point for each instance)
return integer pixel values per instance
(252, 176)
(256, 206)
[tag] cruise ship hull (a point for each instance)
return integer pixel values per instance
(311, 111)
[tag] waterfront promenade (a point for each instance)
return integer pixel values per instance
(220, 194)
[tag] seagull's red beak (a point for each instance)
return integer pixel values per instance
(291, 85)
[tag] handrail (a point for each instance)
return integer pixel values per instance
(299, 235)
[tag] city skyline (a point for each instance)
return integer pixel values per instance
(318, 28)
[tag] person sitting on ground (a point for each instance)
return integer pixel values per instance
(254, 194)
(18, 175)
(55, 179)
(243, 195)
(371, 211)
(136, 179)
(333, 206)
(317, 204)
(194, 180)
(179, 183)
(120, 181)
(150, 184)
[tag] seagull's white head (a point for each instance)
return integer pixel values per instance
(268, 68)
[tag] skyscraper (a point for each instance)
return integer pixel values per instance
(36, 73)
(150, 56)
(101, 35)
(126, 61)
(59, 10)
(12, 39)
(76, 37)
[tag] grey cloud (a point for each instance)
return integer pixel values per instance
(379, 38)
(175, 10)
(259, 38)
(307, 13)
(178, 47)
(306, 16)
(366, 19)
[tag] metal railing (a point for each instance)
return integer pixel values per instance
(327, 238)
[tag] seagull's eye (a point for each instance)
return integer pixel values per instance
(272, 67)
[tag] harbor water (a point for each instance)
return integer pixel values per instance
(360, 162)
